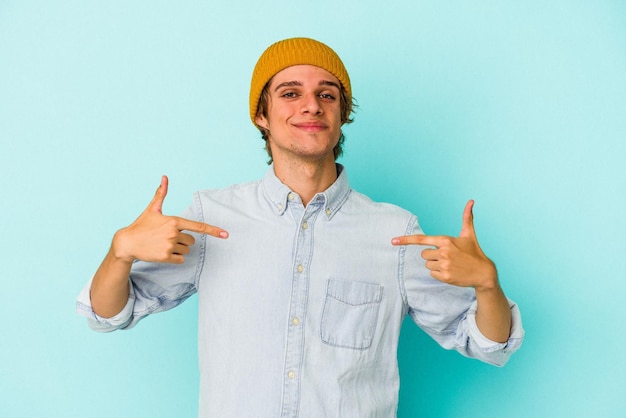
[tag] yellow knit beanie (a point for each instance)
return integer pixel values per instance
(294, 51)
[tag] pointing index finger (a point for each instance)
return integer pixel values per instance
(201, 227)
(417, 240)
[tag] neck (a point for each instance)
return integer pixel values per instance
(306, 178)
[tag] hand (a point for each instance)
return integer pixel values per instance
(457, 261)
(156, 237)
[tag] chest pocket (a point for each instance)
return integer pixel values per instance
(350, 314)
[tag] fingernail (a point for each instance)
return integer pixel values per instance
(223, 234)
(395, 241)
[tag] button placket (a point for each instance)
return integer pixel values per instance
(297, 311)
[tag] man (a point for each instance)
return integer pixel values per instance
(303, 293)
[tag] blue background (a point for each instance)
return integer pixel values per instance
(518, 105)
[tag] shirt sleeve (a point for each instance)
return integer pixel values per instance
(448, 313)
(154, 287)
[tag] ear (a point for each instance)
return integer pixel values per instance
(262, 121)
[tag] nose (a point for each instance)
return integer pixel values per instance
(311, 104)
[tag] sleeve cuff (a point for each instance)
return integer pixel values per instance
(487, 345)
(98, 323)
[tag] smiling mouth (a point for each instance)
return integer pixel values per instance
(310, 126)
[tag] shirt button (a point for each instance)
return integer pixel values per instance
(291, 374)
(305, 225)
(291, 196)
(295, 321)
(300, 268)
(328, 212)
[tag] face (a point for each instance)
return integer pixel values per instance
(303, 114)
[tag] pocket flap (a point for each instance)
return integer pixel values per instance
(354, 293)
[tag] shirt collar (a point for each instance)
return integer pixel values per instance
(332, 198)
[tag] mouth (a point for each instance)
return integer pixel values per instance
(310, 126)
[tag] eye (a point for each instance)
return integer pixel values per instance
(327, 96)
(288, 94)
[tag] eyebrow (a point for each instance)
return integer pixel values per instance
(298, 83)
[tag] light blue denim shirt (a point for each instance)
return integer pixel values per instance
(300, 309)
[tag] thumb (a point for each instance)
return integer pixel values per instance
(467, 229)
(156, 205)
